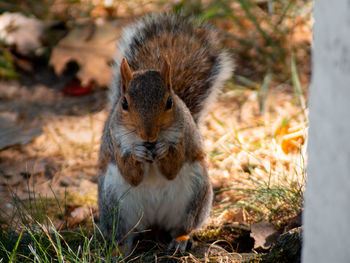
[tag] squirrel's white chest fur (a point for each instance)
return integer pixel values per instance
(156, 201)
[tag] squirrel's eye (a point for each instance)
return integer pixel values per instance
(169, 103)
(125, 105)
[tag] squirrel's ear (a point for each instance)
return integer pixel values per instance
(125, 73)
(165, 72)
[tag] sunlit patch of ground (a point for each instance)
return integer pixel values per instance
(253, 177)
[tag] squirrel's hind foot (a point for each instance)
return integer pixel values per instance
(181, 243)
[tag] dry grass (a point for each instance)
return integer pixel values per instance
(255, 178)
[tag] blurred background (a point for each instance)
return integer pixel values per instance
(55, 68)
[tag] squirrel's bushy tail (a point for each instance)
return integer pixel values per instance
(199, 65)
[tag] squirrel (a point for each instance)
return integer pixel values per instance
(152, 165)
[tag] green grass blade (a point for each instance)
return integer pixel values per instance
(247, 43)
(263, 92)
(284, 14)
(246, 81)
(58, 243)
(296, 84)
(13, 253)
(246, 7)
(38, 243)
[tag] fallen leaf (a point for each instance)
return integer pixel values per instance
(93, 47)
(78, 215)
(264, 234)
(291, 138)
(234, 217)
(74, 88)
(21, 32)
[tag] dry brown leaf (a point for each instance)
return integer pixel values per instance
(264, 234)
(92, 46)
(291, 138)
(21, 32)
(78, 215)
(234, 217)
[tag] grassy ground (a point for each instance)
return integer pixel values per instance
(255, 138)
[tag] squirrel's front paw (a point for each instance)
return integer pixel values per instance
(142, 154)
(160, 150)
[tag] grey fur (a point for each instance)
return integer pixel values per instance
(178, 204)
(206, 88)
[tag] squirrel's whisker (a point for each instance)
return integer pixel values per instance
(127, 133)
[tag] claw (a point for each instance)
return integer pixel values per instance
(160, 150)
(142, 154)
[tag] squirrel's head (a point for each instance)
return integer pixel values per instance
(146, 101)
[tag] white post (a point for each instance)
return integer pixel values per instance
(327, 198)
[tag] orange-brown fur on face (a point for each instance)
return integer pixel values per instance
(146, 112)
(126, 74)
(148, 130)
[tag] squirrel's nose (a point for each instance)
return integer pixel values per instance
(152, 140)
(148, 137)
